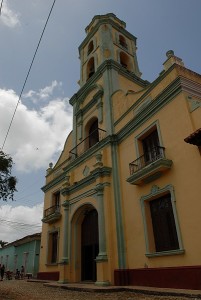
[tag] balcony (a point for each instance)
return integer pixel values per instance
(51, 214)
(148, 167)
(95, 137)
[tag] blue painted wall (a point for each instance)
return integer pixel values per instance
(24, 252)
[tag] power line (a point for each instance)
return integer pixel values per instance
(27, 195)
(1, 6)
(27, 73)
(19, 224)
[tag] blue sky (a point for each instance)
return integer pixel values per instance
(44, 116)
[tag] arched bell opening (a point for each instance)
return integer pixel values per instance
(125, 61)
(90, 67)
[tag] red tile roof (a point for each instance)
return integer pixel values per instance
(194, 138)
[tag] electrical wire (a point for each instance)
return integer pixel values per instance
(19, 224)
(1, 7)
(27, 195)
(21, 232)
(27, 73)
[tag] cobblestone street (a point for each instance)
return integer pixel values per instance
(23, 290)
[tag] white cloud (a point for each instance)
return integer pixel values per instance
(43, 94)
(35, 135)
(9, 17)
(13, 218)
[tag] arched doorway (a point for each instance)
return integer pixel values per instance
(89, 245)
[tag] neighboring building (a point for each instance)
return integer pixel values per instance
(122, 204)
(23, 252)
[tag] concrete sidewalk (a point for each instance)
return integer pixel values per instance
(90, 287)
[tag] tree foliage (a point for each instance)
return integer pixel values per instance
(7, 181)
(3, 244)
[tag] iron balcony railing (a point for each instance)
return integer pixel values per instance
(51, 210)
(95, 137)
(146, 159)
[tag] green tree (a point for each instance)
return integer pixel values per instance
(2, 243)
(7, 182)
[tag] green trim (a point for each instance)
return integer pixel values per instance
(64, 261)
(52, 218)
(111, 64)
(52, 230)
(97, 173)
(77, 186)
(65, 257)
(107, 64)
(79, 197)
(82, 97)
(166, 253)
(154, 194)
(118, 209)
(142, 105)
(107, 102)
(106, 16)
(89, 105)
(194, 103)
(103, 22)
(101, 257)
(53, 183)
(150, 87)
(168, 95)
(90, 152)
(154, 170)
(150, 172)
(62, 281)
(77, 161)
(102, 283)
(140, 135)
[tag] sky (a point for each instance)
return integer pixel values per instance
(43, 118)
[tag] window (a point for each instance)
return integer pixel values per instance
(15, 261)
(56, 200)
(151, 147)
(148, 147)
(6, 264)
(25, 263)
(150, 162)
(161, 226)
(53, 247)
(164, 229)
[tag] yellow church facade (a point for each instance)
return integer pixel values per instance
(122, 203)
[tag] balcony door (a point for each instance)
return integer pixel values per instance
(89, 245)
(93, 134)
(151, 147)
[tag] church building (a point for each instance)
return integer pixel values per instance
(122, 203)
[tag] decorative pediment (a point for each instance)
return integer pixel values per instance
(92, 94)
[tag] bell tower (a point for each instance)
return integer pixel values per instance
(108, 64)
(107, 39)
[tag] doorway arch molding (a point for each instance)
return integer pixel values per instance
(76, 209)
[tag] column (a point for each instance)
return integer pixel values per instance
(63, 265)
(101, 260)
